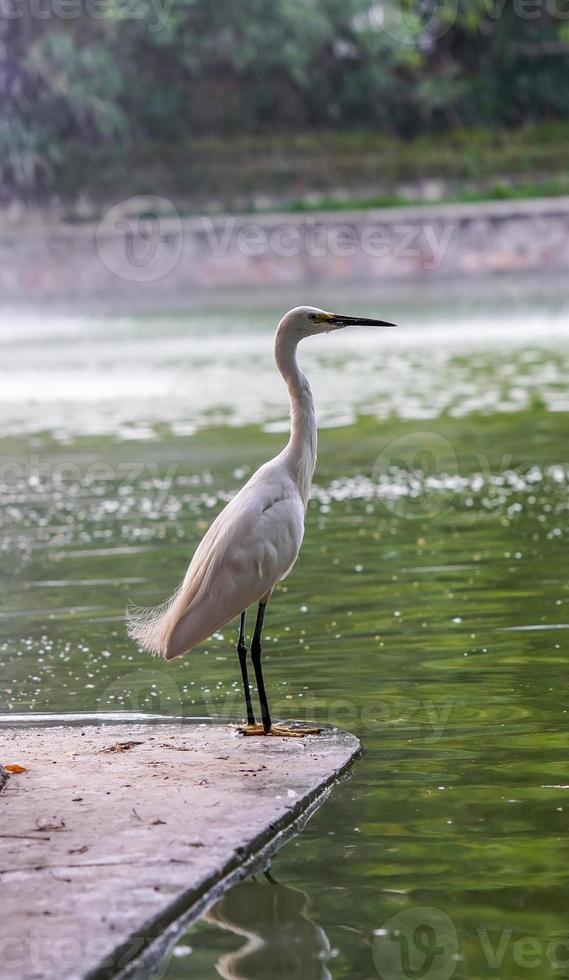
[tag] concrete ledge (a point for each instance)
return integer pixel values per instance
(117, 830)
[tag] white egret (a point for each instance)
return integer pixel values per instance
(254, 542)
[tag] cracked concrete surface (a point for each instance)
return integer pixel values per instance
(115, 830)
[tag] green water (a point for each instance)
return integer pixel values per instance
(428, 612)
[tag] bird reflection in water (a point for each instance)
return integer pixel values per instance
(281, 940)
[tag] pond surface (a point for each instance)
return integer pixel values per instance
(429, 612)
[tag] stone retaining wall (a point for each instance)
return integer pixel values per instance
(143, 251)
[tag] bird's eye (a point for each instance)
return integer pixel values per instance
(312, 316)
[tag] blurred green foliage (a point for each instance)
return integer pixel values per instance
(102, 78)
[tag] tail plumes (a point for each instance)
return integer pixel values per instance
(152, 628)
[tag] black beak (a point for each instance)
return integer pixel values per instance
(358, 321)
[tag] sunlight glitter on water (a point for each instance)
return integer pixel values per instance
(127, 377)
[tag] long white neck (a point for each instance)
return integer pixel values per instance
(300, 453)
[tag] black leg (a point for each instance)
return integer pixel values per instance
(242, 652)
(256, 658)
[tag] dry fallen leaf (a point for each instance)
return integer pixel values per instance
(121, 746)
(15, 768)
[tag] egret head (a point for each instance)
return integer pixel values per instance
(308, 320)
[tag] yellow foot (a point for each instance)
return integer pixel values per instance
(284, 731)
(279, 731)
(251, 730)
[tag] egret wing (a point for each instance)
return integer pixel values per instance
(252, 544)
(241, 562)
